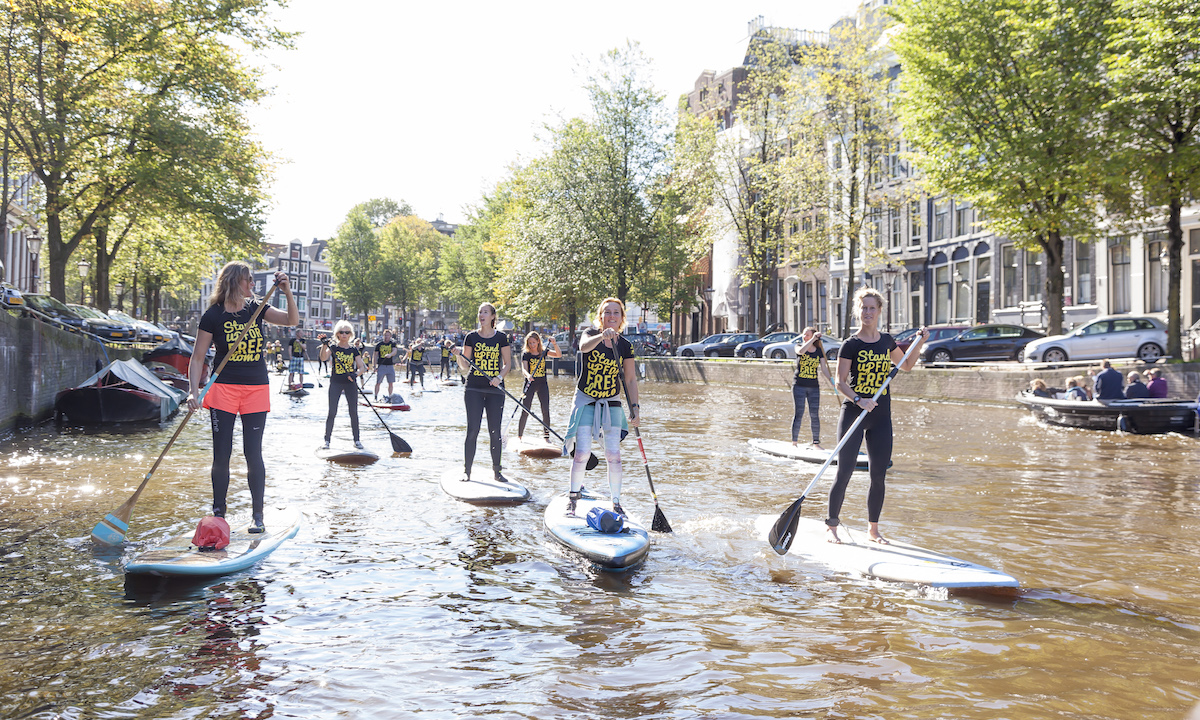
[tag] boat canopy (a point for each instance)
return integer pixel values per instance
(134, 373)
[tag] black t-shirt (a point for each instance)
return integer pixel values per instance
(343, 366)
(445, 352)
(246, 366)
(537, 364)
(298, 347)
(870, 364)
(598, 376)
(383, 349)
(807, 366)
(415, 355)
(485, 353)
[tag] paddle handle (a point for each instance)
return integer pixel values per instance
(857, 421)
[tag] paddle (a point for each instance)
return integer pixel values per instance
(111, 530)
(784, 531)
(592, 460)
(659, 524)
(399, 447)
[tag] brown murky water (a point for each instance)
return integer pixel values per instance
(396, 601)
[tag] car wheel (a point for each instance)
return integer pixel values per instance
(1150, 352)
(778, 355)
(1020, 355)
(1055, 355)
(687, 352)
(941, 356)
(749, 353)
(831, 355)
(710, 353)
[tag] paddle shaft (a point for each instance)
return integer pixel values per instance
(398, 444)
(637, 431)
(510, 395)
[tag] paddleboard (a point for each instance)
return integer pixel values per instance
(178, 557)
(347, 456)
(385, 406)
(807, 453)
(483, 488)
(535, 447)
(450, 383)
(298, 392)
(895, 562)
(609, 551)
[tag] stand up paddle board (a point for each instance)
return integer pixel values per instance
(452, 382)
(895, 562)
(535, 447)
(609, 551)
(385, 406)
(807, 453)
(298, 392)
(178, 557)
(349, 456)
(483, 488)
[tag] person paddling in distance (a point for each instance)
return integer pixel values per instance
(533, 367)
(597, 411)
(446, 347)
(416, 360)
(491, 353)
(298, 348)
(242, 387)
(864, 361)
(346, 364)
(806, 386)
(385, 362)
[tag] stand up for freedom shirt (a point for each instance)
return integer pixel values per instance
(246, 366)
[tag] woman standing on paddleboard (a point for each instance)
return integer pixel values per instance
(533, 366)
(598, 409)
(491, 353)
(347, 364)
(864, 361)
(242, 387)
(806, 386)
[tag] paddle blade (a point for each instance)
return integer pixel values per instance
(110, 531)
(784, 530)
(399, 446)
(592, 462)
(660, 524)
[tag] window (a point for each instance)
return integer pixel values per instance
(876, 227)
(941, 298)
(1118, 260)
(1084, 268)
(821, 294)
(1156, 274)
(1035, 275)
(1194, 240)
(962, 221)
(894, 222)
(941, 220)
(914, 223)
(962, 290)
(1011, 289)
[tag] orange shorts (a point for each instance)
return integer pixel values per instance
(238, 399)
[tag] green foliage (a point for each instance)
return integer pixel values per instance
(407, 274)
(381, 211)
(354, 257)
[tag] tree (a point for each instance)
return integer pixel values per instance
(1000, 98)
(381, 211)
(354, 258)
(1153, 63)
(409, 249)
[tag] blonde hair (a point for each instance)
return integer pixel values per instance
(530, 337)
(863, 293)
(495, 315)
(343, 325)
(1039, 383)
(227, 281)
(600, 312)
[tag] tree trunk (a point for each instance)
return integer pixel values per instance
(1175, 277)
(1052, 245)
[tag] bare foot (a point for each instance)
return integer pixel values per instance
(817, 445)
(795, 443)
(876, 536)
(833, 536)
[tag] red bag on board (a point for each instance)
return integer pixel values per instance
(211, 534)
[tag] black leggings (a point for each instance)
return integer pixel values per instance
(253, 425)
(477, 400)
(876, 428)
(336, 389)
(541, 388)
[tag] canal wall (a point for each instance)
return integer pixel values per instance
(37, 360)
(997, 383)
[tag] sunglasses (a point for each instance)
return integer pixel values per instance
(343, 332)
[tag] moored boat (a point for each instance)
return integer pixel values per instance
(124, 391)
(1145, 416)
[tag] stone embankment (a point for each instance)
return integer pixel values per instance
(996, 383)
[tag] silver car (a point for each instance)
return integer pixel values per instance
(698, 348)
(1120, 336)
(786, 350)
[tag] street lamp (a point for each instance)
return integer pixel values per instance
(34, 243)
(84, 266)
(890, 272)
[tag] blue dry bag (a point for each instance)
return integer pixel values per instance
(605, 521)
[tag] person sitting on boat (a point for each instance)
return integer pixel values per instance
(1037, 387)
(385, 362)
(346, 365)
(1108, 383)
(1076, 389)
(1157, 387)
(806, 384)
(242, 387)
(1136, 390)
(298, 347)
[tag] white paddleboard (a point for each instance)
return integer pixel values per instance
(807, 453)
(609, 551)
(179, 557)
(347, 456)
(483, 488)
(535, 447)
(896, 561)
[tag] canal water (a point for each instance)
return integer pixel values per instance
(396, 601)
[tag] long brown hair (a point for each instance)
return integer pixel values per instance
(495, 315)
(528, 347)
(818, 344)
(227, 282)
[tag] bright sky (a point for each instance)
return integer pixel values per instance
(431, 102)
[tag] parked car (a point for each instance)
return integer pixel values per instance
(727, 346)
(10, 297)
(102, 325)
(754, 348)
(58, 313)
(146, 332)
(982, 342)
(904, 338)
(787, 348)
(1108, 337)
(644, 343)
(698, 348)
